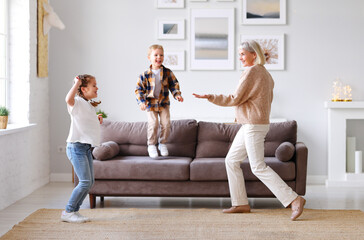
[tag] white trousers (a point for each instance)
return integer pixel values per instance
(249, 142)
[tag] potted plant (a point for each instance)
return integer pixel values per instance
(4, 113)
(103, 114)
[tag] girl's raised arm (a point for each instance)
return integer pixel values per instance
(70, 98)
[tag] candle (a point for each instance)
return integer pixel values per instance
(350, 154)
(358, 161)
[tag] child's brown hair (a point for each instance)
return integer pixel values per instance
(85, 80)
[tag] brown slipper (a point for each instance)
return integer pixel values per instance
(238, 209)
(297, 207)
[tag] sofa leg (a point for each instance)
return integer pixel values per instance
(92, 200)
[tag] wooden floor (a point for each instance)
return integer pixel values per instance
(55, 195)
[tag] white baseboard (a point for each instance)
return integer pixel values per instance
(316, 179)
(61, 177)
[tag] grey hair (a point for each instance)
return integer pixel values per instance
(254, 47)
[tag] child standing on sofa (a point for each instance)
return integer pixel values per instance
(152, 95)
(84, 133)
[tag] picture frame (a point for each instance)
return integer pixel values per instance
(212, 39)
(264, 12)
(170, 3)
(171, 29)
(273, 48)
(174, 60)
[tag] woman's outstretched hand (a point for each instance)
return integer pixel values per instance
(200, 96)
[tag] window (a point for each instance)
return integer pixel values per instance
(3, 51)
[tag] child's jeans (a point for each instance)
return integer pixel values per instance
(80, 156)
(153, 125)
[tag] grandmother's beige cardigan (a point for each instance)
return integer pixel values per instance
(252, 98)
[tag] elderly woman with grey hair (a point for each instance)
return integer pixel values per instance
(252, 101)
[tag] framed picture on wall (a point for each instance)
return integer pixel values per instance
(170, 3)
(171, 29)
(212, 39)
(273, 48)
(174, 60)
(264, 12)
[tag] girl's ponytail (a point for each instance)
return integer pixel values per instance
(94, 103)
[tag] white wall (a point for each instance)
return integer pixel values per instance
(24, 156)
(109, 39)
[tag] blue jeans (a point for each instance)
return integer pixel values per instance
(80, 156)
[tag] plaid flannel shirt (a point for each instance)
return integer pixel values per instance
(145, 89)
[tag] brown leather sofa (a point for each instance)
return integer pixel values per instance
(195, 167)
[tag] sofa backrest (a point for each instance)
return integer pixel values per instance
(132, 137)
(278, 133)
(214, 139)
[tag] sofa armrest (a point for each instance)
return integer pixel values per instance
(301, 167)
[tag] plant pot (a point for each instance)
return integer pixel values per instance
(3, 122)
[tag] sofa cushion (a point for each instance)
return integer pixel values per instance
(143, 168)
(214, 139)
(213, 169)
(279, 132)
(106, 150)
(183, 138)
(132, 137)
(285, 151)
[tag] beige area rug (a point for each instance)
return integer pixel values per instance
(192, 224)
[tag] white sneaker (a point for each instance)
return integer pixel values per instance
(72, 217)
(163, 149)
(152, 151)
(86, 218)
